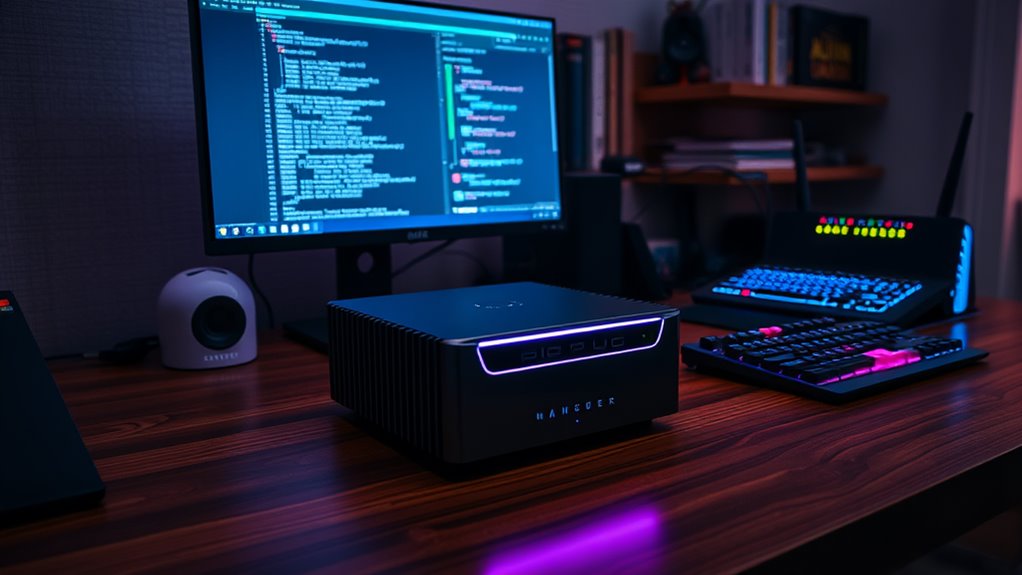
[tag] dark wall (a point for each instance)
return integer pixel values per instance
(99, 201)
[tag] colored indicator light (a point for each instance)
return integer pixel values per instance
(844, 230)
(850, 222)
(823, 221)
(855, 231)
(826, 229)
(5, 302)
(746, 293)
(889, 223)
(819, 229)
(872, 232)
(871, 222)
(883, 232)
(908, 225)
(901, 234)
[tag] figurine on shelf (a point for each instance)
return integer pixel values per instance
(683, 55)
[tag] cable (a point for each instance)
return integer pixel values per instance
(259, 292)
(419, 258)
(123, 353)
(745, 178)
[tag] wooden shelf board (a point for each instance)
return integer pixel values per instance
(732, 92)
(815, 174)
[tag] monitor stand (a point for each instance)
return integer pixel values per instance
(362, 271)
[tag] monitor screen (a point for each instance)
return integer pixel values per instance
(335, 122)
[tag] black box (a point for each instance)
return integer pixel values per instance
(46, 468)
(468, 374)
(828, 49)
(587, 254)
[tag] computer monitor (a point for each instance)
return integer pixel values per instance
(359, 123)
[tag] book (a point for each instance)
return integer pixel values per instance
(694, 145)
(828, 49)
(726, 156)
(626, 59)
(746, 40)
(613, 102)
(574, 90)
(736, 164)
(772, 44)
(598, 106)
(783, 43)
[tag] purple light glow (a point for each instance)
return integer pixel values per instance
(585, 548)
(540, 336)
(572, 331)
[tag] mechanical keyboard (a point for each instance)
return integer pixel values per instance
(825, 289)
(813, 292)
(827, 359)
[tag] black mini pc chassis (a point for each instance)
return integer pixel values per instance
(464, 375)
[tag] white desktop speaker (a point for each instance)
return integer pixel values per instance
(207, 320)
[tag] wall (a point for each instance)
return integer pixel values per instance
(926, 76)
(1010, 262)
(99, 201)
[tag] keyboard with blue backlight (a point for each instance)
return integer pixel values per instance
(844, 291)
(898, 270)
(793, 292)
(828, 359)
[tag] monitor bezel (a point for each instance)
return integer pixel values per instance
(247, 245)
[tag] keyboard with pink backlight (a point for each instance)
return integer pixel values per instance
(828, 360)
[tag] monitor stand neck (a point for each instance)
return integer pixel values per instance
(362, 271)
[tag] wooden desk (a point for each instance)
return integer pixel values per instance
(254, 469)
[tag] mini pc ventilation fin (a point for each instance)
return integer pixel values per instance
(954, 169)
(801, 181)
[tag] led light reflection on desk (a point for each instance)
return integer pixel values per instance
(618, 537)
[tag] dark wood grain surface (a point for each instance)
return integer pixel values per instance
(254, 469)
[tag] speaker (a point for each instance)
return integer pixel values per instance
(587, 255)
(206, 320)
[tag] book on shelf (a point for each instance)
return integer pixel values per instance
(828, 48)
(759, 154)
(598, 105)
(619, 94)
(736, 164)
(699, 145)
(575, 90)
(747, 40)
(595, 92)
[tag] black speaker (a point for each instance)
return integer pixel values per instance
(587, 255)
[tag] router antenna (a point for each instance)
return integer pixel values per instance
(802, 200)
(954, 169)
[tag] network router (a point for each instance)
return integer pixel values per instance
(468, 374)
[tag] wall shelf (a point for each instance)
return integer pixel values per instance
(814, 174)
(740, 93)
